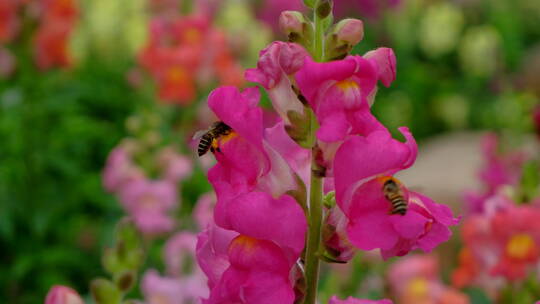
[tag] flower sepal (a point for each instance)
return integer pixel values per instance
(300, 127)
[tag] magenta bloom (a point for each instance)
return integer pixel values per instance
(59, 294)
(254, 267)
(246, 161)
(359, 193)
(340, 92)
(277, 63)
(500, 169)
(351, 300)
(148, 203)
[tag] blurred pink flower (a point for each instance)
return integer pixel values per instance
(516, 232)
(120, 170)
(359, 193)
(59, 294)
(500, 169)
(351, 300)
(175, 167)
(172, 290)
(148, 203)
(414, 280)
(204, 210)
(7, 63)
(179, 251)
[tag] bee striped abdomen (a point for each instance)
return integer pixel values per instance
(394, 195)
(209, 139)
(205, 144)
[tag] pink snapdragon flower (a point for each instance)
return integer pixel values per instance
(340, 92)
(253, 263)
(359, 193)
(148, 202)
(277, 63)
(351, 300)
(246, 161)
(59, 294)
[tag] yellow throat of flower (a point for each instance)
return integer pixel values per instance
(520, 246)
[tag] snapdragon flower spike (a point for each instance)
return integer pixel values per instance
(351, 300)
(374, 222)
(339, 92)
(277, 63)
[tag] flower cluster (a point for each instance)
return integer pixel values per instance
(414, 279)
(185, 53)
(147, 201)
(499, 171)
(57, 19)
(255, 251)
(501, 235)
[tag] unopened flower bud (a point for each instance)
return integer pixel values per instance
(105, 292)
(324, 8)
(295, 26)
(291, 22)
(125, 280)
(343, 37)
(63, 295)
(349, 31)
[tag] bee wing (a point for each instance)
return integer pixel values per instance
(199, 134)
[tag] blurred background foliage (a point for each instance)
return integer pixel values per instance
(462, 65)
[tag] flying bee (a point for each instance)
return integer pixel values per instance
(208, 138)
(393, 193)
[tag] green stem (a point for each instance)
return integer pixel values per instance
(315, 214)
(314, 233)
(318, 38)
